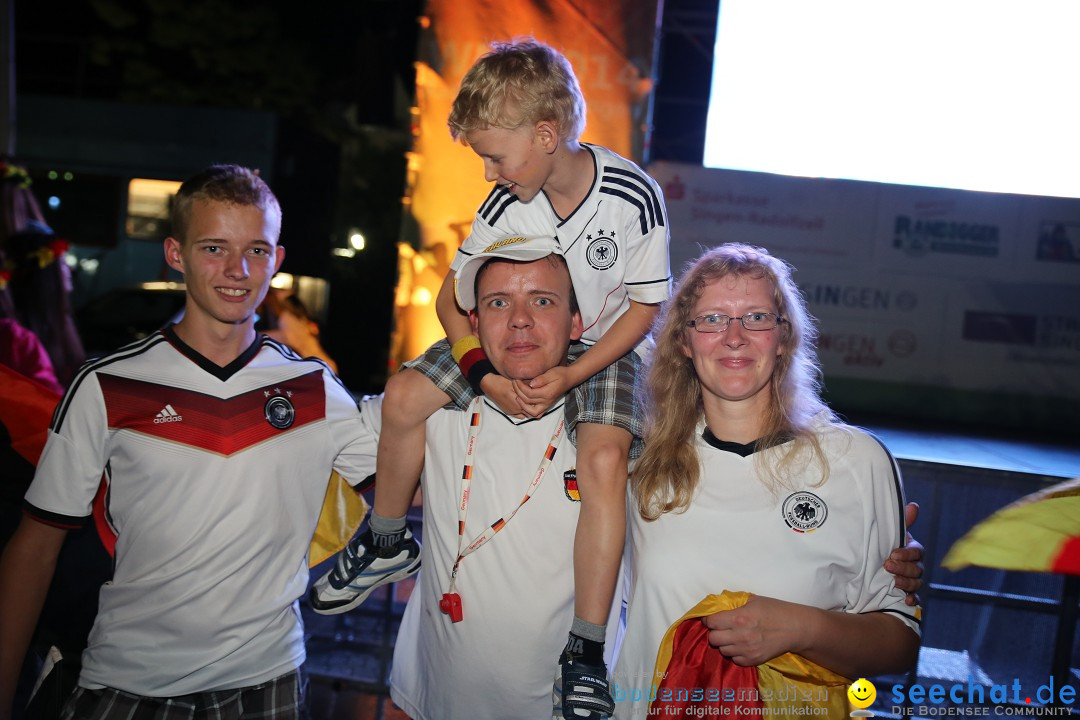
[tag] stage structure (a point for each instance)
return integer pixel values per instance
(611, 46)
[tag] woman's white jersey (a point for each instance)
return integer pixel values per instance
(819, 545)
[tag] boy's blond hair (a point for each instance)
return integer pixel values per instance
(519, 83)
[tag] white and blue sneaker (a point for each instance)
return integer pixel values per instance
(581, 690)
(359, 570)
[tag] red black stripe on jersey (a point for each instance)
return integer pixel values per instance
(224, 426)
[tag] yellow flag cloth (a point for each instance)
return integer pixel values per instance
(789, 685)
(342, 512)
(1039, 532)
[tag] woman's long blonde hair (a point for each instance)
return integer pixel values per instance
(667, 473)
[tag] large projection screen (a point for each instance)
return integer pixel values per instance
(969, 94)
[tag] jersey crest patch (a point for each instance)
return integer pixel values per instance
(804, 512)
(569, 479)
(280, 412)
(602, 250)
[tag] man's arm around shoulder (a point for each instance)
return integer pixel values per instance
(26, 570)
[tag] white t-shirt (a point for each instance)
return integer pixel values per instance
(216, 478)
(517, 590)
(820, 546)
(615, 242)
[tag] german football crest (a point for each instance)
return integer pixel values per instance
(602, 250)
(804, 512)
(569, 479)
(279, 412)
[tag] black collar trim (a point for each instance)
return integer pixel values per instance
(221, 373)
(740, 449)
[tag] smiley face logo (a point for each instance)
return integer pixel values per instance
(862, 693)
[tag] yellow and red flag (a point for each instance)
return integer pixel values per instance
(1038, 532)
(786, 685)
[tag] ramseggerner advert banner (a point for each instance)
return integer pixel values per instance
(933, 303)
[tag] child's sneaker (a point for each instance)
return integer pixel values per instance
(581, 689)
(359, 570)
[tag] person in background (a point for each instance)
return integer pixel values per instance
(40, 287)
(288, 321)
(749, 483)
(29, 392)
(20, 348)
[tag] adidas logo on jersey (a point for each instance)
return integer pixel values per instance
(168, 415)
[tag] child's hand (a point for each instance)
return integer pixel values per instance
(500, 390)
(544, 390)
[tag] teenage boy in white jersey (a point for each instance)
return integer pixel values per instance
(520, 108)
(216, 444)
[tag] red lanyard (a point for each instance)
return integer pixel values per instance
(451, 602)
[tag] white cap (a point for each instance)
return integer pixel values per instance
(511, 247)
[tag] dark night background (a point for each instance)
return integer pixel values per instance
(336, 81)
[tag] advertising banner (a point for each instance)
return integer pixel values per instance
(931, 302)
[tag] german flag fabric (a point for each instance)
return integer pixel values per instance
(788, 685)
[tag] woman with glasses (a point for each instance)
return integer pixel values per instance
(749, 483)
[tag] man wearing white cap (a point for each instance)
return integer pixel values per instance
(476, 640)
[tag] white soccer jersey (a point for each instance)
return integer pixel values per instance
(517, 590)
(216, 477)
(615, 242)
(820, 546)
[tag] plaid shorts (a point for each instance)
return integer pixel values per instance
(607, 398)
(279, 699)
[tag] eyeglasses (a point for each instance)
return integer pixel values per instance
(715, 322)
